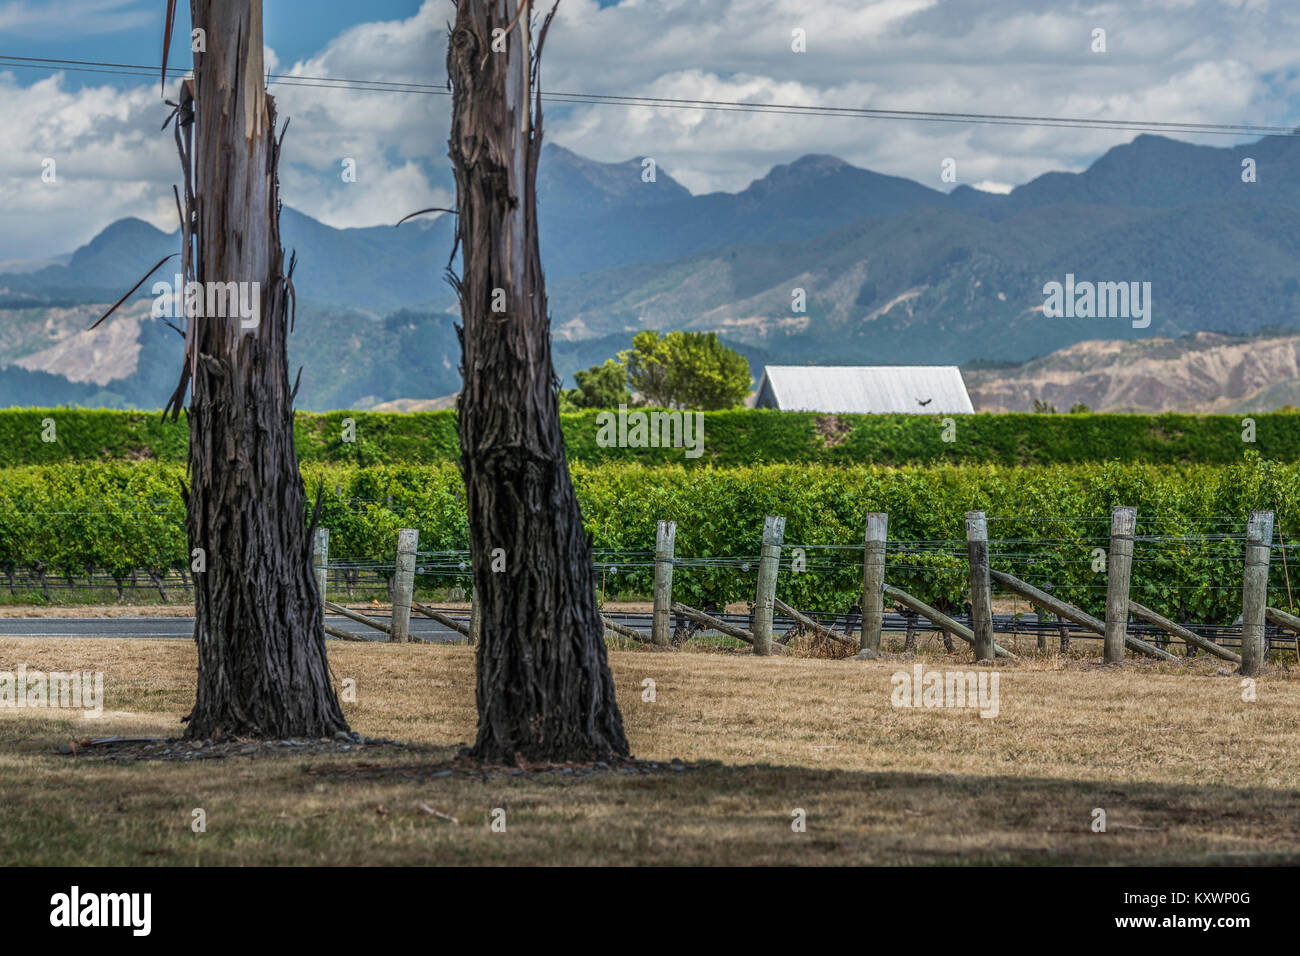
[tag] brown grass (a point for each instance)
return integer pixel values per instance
(1186, 771)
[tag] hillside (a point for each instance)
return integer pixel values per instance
(1206, 372)
(893, 272)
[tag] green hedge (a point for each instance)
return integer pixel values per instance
(740, 437)
(1045, 522)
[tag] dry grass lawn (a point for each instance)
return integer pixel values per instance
(1186, 771)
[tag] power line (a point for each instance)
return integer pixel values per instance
(658, 102)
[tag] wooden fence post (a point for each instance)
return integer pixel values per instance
(769, 561)
(873, 581)
(475, 621)
(981, 600)
(320, 562)
(1119, 572)
(1254, 591)
(660, 627)
(404, 584)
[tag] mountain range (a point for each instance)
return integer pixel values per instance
(887, 271)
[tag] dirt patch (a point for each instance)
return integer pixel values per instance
(464, 766)
(132, 749)
(138, 749)
(832, 429)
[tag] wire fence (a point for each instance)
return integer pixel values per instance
(1063, 555)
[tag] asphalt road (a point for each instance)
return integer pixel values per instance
(183, 627)
(422, 627)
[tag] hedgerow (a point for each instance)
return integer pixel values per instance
(739, 437)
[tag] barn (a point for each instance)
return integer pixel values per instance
(865, 389)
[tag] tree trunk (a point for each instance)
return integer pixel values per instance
(544, 686)
(261, 640)
(1185, 619)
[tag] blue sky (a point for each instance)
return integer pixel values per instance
(1218, 61)
(130, 31)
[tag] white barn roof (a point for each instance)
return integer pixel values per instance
(865, 389)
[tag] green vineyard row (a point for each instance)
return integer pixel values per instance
(1045, 523)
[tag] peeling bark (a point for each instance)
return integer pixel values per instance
(261, 641)
(543, 685)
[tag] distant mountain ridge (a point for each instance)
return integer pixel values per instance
(890, 270)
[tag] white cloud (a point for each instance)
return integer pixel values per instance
(1225, 61)
(109, 161)
(44, 19)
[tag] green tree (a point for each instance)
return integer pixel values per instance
(686, 370)
(705, 374)
(647, 365)
(601, 386)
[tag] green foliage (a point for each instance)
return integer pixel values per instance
(88, 434)
(731, 437)
(1044, 523)
(686, 370)
(601, 386)
(647, 368)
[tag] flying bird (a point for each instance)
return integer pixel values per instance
(926, 402)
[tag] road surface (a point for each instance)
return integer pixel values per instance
(183, 627)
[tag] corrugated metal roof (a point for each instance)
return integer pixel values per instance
(868, 389)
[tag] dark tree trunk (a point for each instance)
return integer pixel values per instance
(261, 641)
(544, 686)
(1185, 619)
(852, 620)
(157, 579)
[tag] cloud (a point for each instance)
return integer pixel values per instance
(397, 140)
(21, 18)
(1165, 61)
(1216, 61)
(71, 162)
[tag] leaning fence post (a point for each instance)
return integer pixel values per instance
(408, 540)
(320, 562)
(981, 601)
(1119, 572)
(1254, 591)
(873, 581)
(665, 537)
(769, 561)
